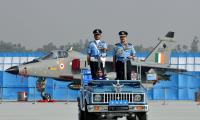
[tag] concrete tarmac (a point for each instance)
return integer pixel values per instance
(173, 110)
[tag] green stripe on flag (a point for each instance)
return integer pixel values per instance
(156, 57)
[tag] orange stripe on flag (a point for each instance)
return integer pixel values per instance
(162, 58)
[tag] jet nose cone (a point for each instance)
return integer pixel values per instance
(13, 70)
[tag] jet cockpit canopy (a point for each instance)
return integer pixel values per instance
(55, 54)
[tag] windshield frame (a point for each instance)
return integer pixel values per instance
(111, 82)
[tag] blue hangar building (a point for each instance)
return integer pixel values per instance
(180, 86)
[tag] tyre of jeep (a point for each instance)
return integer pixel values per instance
(80, 112)
(142, 116)
(131, 118)
(88, 116)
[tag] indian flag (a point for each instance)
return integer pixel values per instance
(160, 58)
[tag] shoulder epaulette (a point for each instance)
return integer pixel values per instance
(130, 44)
(117, 44)
(103, 42)
(90, 42)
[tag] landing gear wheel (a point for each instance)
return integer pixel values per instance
(47, 97)
(41, 84)
(142, 116)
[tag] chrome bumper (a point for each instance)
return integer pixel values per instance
(104, 108)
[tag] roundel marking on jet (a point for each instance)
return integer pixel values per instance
(62, 66)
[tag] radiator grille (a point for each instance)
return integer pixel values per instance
(130, 97)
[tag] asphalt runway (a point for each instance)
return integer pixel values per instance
(173, 110)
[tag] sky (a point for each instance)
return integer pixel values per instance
(34, 23)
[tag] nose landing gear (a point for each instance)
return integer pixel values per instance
(41, 84)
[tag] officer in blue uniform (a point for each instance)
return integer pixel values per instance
(96, 52)
(123, 52)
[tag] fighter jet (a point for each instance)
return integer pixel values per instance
(66, 65)
(58, 64)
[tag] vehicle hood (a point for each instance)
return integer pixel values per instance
(112, 89)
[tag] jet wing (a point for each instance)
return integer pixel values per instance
(155, 65)
(159, 69)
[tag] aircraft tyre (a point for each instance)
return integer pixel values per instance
(141, 116)
(47, 97)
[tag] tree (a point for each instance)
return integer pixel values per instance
(177, 48)
(185, 48)
(46, 48)
(194, 44)
(10, 47)
(62, 47)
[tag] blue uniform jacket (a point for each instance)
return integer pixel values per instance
(122, 52)
(94, 49)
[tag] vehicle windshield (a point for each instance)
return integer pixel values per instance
(111, 82)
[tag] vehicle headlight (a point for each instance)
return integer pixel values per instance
(138, 98)
(97, 98)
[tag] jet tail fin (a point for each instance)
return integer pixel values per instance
(170, 34)
(161, 53)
